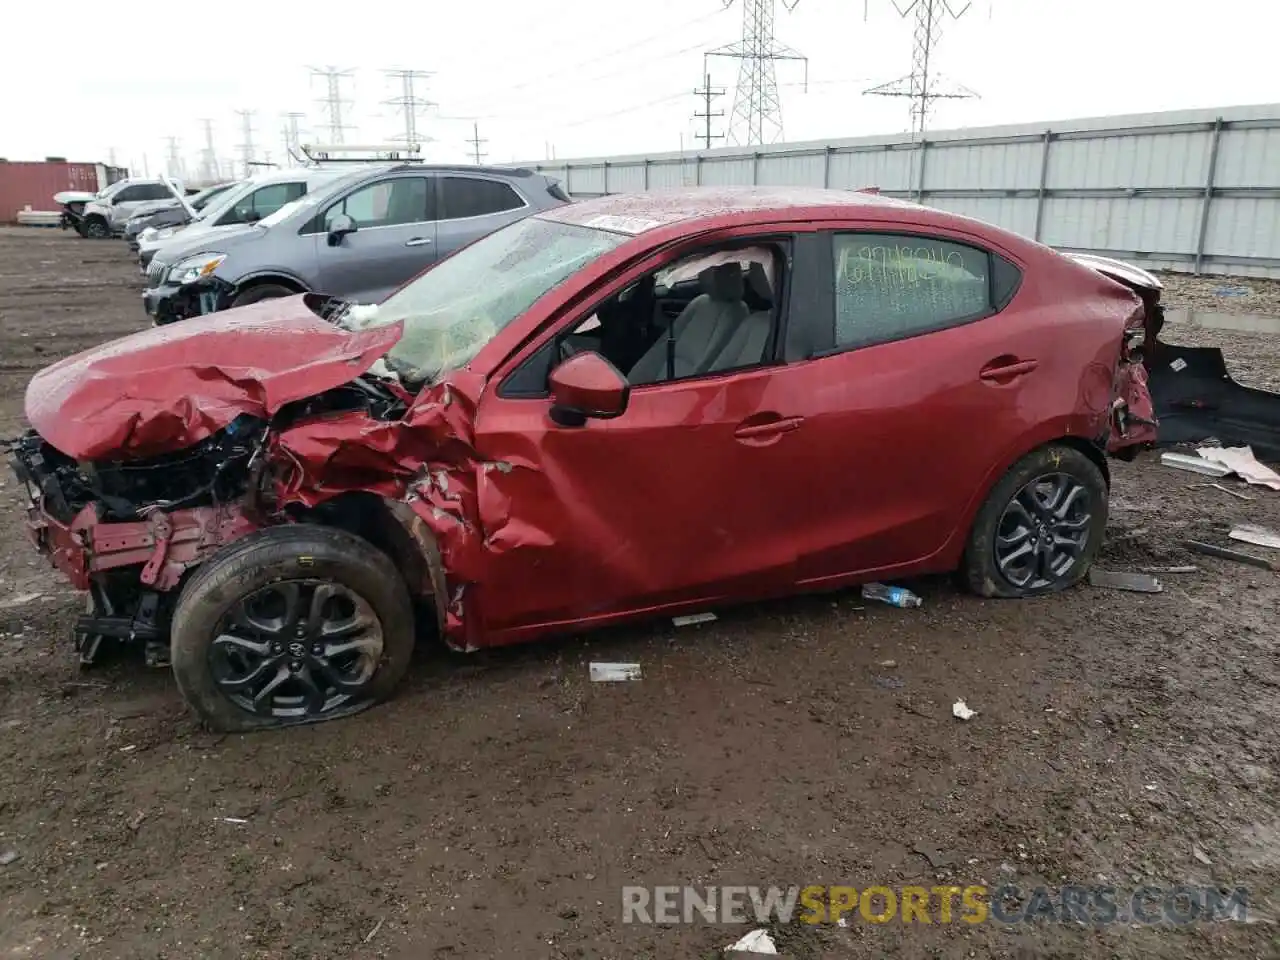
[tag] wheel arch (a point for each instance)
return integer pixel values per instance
(263, 277)
(394, 529)
(1053, 433)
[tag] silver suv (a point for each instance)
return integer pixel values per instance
(105, 215)
(357, 237)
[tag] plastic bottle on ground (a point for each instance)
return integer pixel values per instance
(894, 596)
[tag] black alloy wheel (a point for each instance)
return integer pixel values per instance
(1040, 527)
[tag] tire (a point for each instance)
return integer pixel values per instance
(213, 629)
(263, 291)
(95, 228)
(1062, 481)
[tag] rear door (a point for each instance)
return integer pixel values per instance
(394, 240)
(472, 205)
(918, 382)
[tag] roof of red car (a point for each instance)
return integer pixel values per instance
(636, 213)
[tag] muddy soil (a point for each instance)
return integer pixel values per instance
(498, 805)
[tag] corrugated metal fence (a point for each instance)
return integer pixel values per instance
(1189, 191)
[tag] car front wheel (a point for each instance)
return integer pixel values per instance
(1040, 527)
(291, 625)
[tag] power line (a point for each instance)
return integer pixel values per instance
(475, 142)
(411, 106)
(922, 86)
(333, 102)
(246, 140)
(708, 93)
(757, 110)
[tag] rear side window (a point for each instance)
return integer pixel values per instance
(889, 287)
(463, 197)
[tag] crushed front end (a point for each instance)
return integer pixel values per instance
(127, 531)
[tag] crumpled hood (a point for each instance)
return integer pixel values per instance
(169, 387)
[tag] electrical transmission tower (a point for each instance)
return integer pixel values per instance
(707, 94)
(411, 106)
(208, 155)
(923, 86)
(475, 142)
(757, 111)
(289, 133)
(246, 140)
(332, 101)
(174, 157)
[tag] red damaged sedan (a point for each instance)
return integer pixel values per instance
(615, 409)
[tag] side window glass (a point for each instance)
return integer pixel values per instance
(129, 194)
(476, 197)
(158, 191)
(385, 203)
(888, 287)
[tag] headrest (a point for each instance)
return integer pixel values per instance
(758, 281)
(723, 281)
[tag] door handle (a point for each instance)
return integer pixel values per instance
(417, 242)
(754, 431)
(1006, 368)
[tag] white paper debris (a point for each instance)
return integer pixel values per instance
(1241, 462)
(1252, 533)
(614, 672)
(757, 941)
(1178, 365)
(690, 619)
(961, 711)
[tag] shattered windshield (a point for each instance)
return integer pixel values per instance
(454, 309)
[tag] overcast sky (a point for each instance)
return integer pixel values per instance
(592, 77)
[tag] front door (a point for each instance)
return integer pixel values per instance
(394, 240)
(682, 498)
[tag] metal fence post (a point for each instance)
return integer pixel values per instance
(1044, 181)
(646, 173)
(1208, 193)
(568, 178)
(606, 178)
(924, 146)
(755, 169)
(697, 171)
(826, 167)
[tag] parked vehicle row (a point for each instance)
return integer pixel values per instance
(160, 214)
(596, 412)
(103, 214)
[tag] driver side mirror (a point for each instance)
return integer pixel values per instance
(587, 386)
(339, 227)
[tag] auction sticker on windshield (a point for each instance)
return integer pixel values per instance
(631, 225)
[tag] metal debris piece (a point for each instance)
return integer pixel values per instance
(889, 663)
(1135, 582)
(960, 710)
(690, 619)
(1182, 461)
(1208, 549)
(1252, 533)
(1235, 493)
(8, 857)
(19, 600)
(889, 683)
(614, 672)
(1201, 856)
(374, 932)
(1186, 568)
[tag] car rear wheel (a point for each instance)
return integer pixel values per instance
(1040, 527)
(263, 291)
(291, 625)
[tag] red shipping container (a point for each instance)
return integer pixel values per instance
(35, 183)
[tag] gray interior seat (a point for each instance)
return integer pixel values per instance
(703, 329)
(749, 341)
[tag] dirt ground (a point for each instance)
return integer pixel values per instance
(496, 807)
